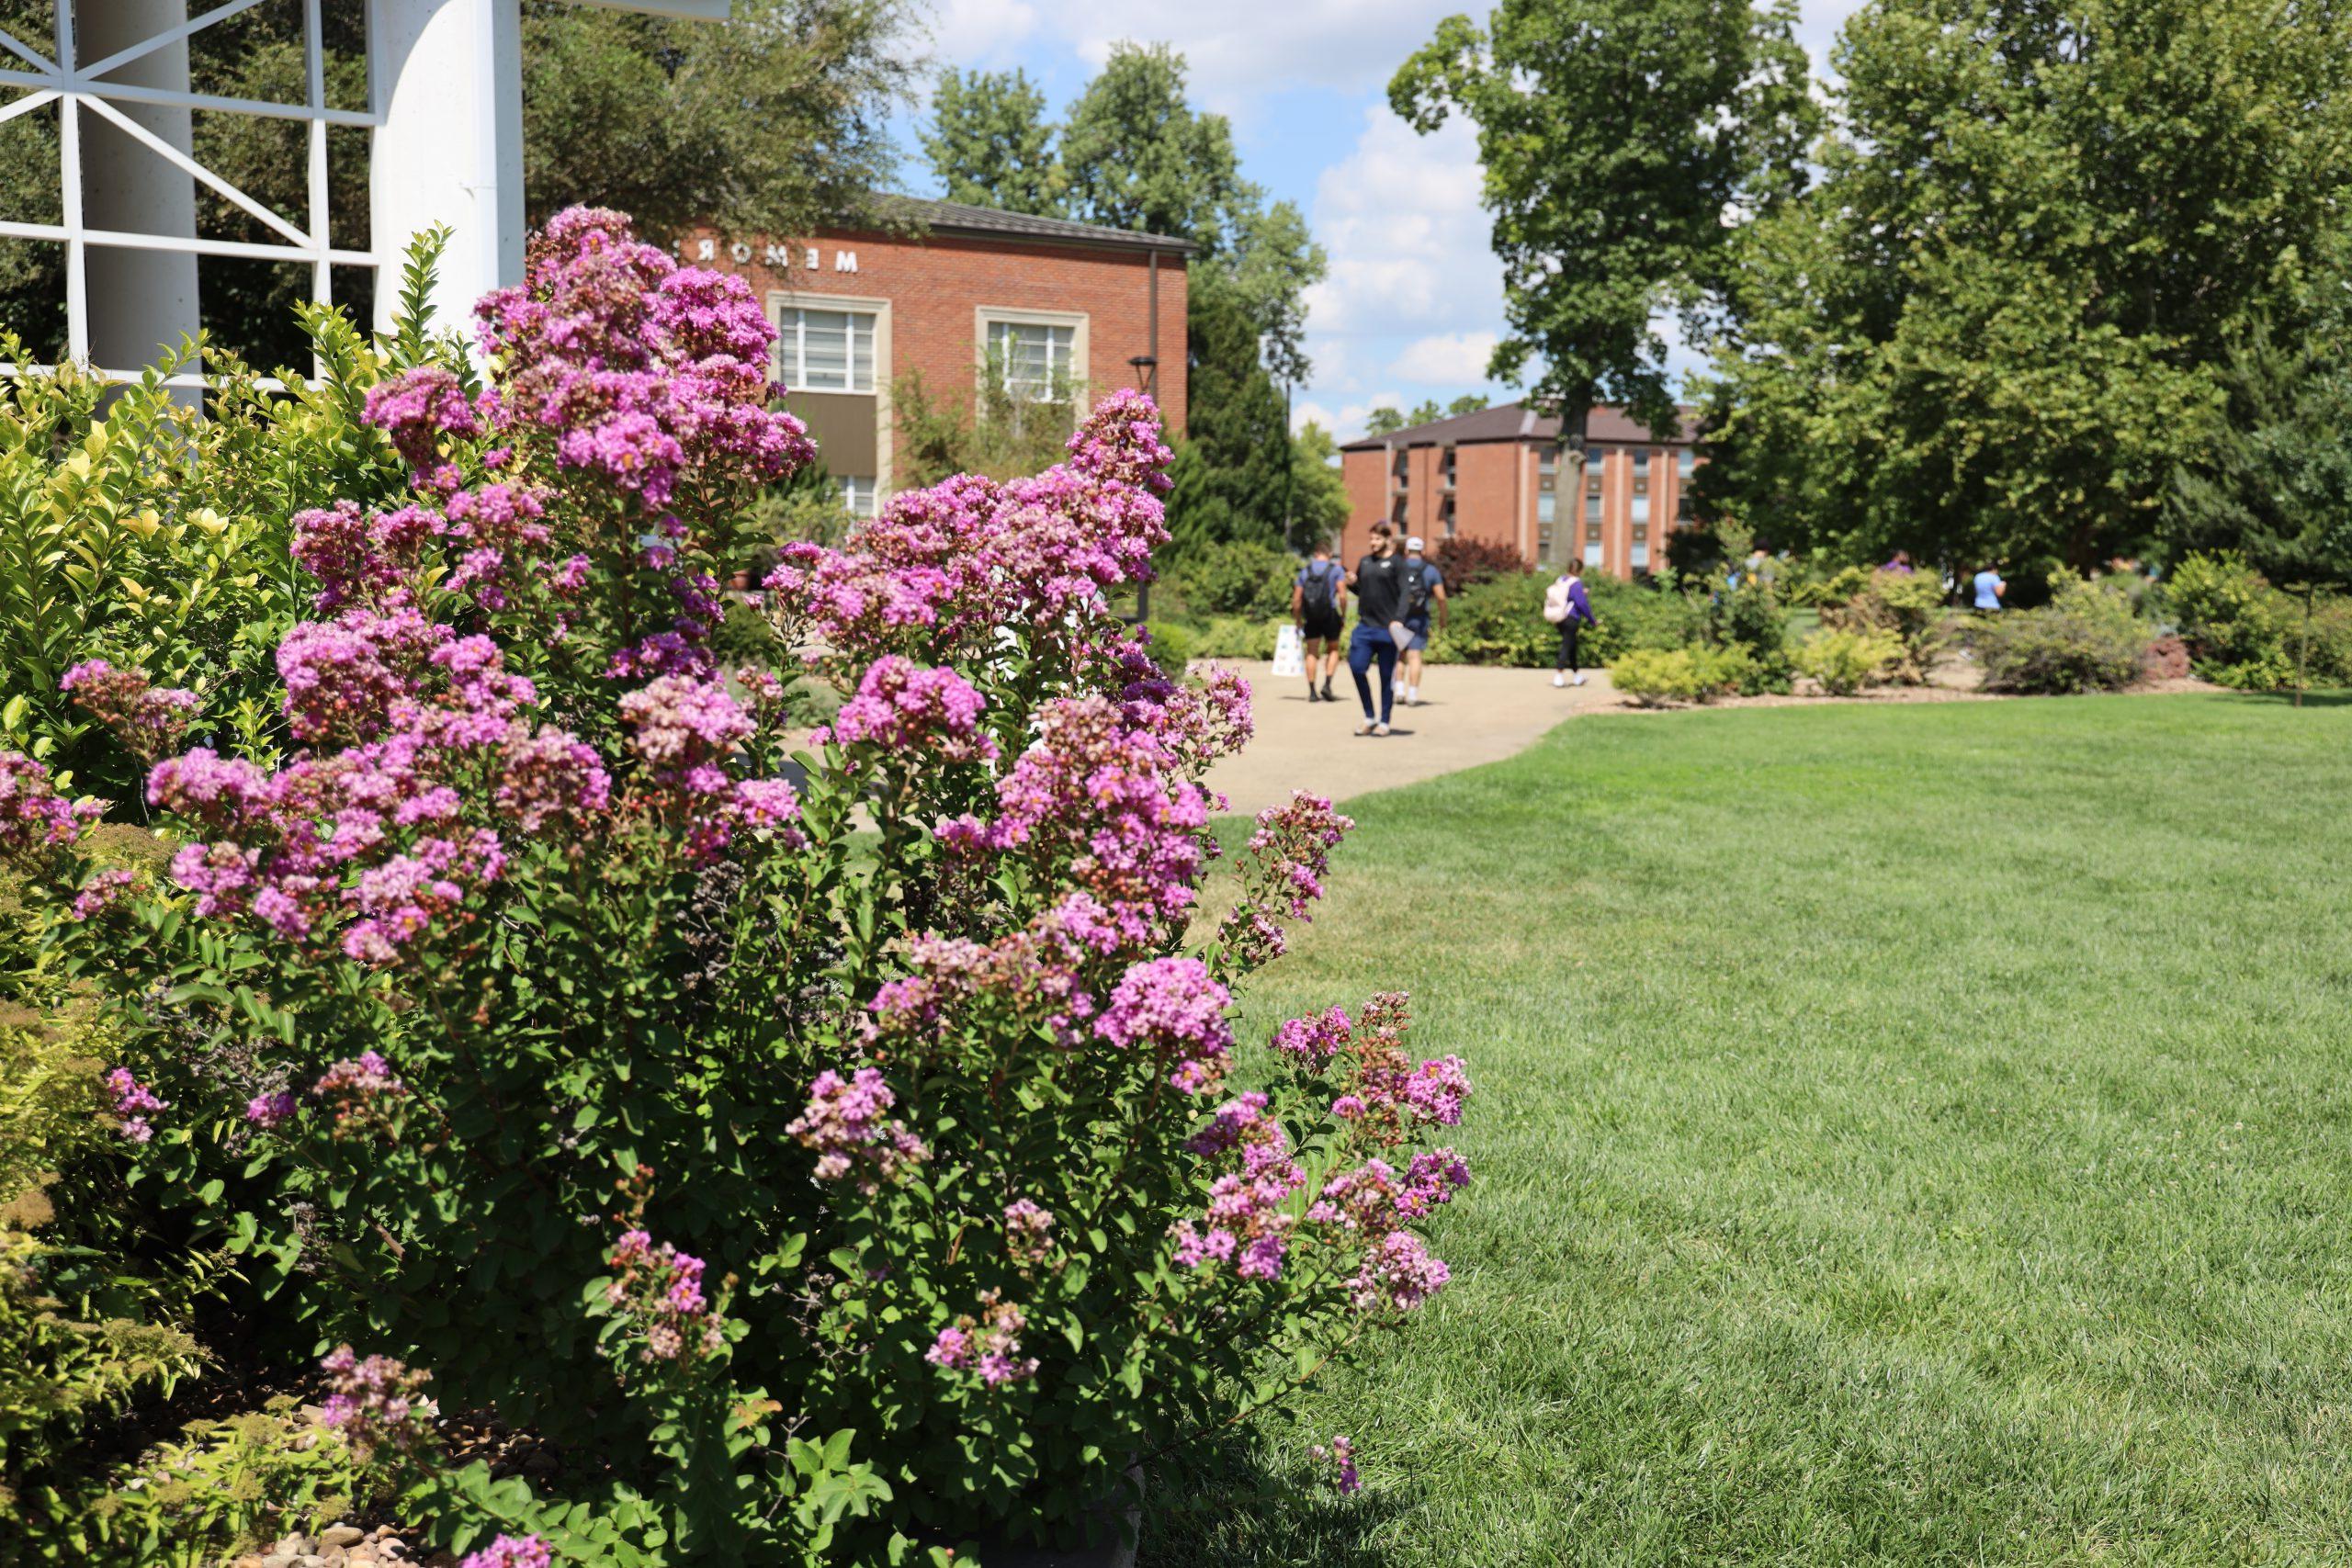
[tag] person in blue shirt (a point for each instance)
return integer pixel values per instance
(1989, 588)
(1318, 601)
(1424, 589)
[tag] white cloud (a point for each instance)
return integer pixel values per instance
(1347, 421)
(1239, 50)
(981, 33)
(1446, 357)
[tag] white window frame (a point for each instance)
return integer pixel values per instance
(857, 494)
(783, 300)
(78, 87)
(796, 334)
(987, 316)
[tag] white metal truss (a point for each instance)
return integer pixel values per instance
(79, 87)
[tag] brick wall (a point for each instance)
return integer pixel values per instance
(933, 284)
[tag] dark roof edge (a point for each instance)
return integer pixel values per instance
(1514, 421)
(960, 219)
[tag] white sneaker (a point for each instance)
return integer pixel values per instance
(1559, 679)
(1579, 680)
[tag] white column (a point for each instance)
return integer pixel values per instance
(141, 302)
(447, 76)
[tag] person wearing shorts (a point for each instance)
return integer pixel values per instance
(1424, 589)
(1318, 602)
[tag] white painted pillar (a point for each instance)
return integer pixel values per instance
(447, 76)
(141, 302)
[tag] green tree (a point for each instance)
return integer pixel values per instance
(1318, 492)
(1137, 156)
(2000, 325)
(990, 143)
(1616, 135)
(1229, 471)
(1469, 402)
(1383, 421)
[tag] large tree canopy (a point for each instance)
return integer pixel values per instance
(989, 142)
(1625, 143)
(1999, 324)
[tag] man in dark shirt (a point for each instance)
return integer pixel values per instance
(1378, 583)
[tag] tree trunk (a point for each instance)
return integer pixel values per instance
(2303, 647)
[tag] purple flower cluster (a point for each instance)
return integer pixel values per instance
(377, 1404)
(1313, 1042)
(147, 719)
(1028, 1231)
(512, 1551)
(660, 1288)
(101, 892)
(847, 1126)
(133, 1102)
(33, 816)
(650, 376)
(1372, 1199)
(683, 728)
(1386, 1093)
(416, 408)
(1244, 1225)
(989, 1345)
(901, 706)
(1281, 874)
(1342, 1457)
(1397, 1275)
(1172, 1007)
(268, 1112)
(362, 1092)
(1031, 974)
(1099, 806)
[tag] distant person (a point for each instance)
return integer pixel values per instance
(1989, 588)
(1378, 582)
(1566, 606)
(1318, 602)
(1424, 587)
(1901, 563)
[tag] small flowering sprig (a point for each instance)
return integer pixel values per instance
(362, 1092)
(1246, 1225)
(104, 889)
(660, 1289)
(377, 1404)
(1340, 1455)
(846, 1124)
(1172, 1007)
(133, 1103)
(148, 720)
(988, 1344)
(34, 818)
(1282, 872)
(1386, 1093)
(1028, 1231)
(512, 1551)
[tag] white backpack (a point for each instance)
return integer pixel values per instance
(1555, 601)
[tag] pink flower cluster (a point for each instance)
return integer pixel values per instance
(1028, 1231)
(362, 1092)
(1397, 1275)
(653, 376)
(944, 569)
(683, 729)
(416, 408)
(660, 1288)
(1244, 1225)
(133, 1102)
(847, 1126)
(1388, 1093)
(485, 536)
(901, 706)
(1313, 1042)
(102, 891)
(268, 1112)
(1171, 1007)
(1282, 873)
(147, 719)
(1096, 803)
(377, 1404)
(1031, 975)
(1342, 1457)
(989, 1345)
(1372, 1199)
(512, 1551)
(33, 816)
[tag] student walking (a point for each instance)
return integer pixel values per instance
(1424, 587)
(1566, 606)
(1379, 584)
(1989, 588)
(1319, 600)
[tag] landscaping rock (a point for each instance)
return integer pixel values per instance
(342, 1535)
(2167, 660)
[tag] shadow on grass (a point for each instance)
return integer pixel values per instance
(2334, 699)
(1219, 1507)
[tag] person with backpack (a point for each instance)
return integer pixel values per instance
(1566, 606)
(1379, 584)
(1424, 586)
(1318, 599)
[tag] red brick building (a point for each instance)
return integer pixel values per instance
(1057, 307)
(1500, 475)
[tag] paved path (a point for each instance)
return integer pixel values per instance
(1468, 715)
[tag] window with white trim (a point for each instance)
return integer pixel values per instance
(857, 493)
(1035, 358)
(826, 351)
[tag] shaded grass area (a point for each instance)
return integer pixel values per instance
(1909, 1135)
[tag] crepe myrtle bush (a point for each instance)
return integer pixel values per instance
(835, 1144)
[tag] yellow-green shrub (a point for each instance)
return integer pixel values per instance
(1843, 662)
(1655, 677)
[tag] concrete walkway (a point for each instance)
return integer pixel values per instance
(1468, 715)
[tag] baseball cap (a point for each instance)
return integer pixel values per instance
(1413, 542)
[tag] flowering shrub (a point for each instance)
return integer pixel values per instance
(835, 1151)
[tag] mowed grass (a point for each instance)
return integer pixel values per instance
(1906, 1134)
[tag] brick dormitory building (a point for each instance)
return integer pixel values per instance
(1500, 475)
(951, 293)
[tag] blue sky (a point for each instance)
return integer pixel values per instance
(1414, 300)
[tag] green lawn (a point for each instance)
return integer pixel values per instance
(1905, 1133)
